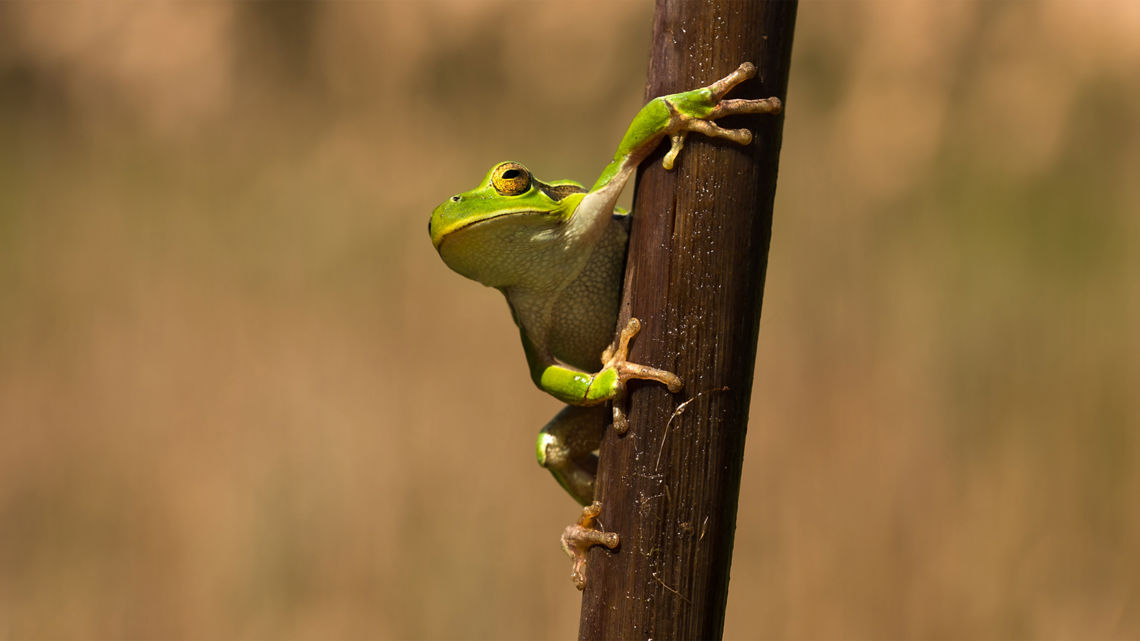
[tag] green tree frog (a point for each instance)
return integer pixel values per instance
(557, 253)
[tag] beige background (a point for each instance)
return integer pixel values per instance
(241, 397)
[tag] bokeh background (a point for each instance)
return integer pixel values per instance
(241, 397)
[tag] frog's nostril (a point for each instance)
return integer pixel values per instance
(455, 199)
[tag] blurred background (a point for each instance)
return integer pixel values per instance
(241, 397)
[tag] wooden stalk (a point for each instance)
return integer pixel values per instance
(695, 277)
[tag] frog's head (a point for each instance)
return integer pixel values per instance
(502, 228)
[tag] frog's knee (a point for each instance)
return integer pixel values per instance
(551, 451)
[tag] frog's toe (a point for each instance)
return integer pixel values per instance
(621, 423)
(627, 370)
(712, 130)
(745, 71)
(579, 537)
(771, 105)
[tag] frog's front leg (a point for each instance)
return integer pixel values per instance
(674, 115)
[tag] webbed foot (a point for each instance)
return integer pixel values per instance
(702, 123)
(578, 538)
(615, 357)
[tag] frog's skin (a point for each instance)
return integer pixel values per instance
(557, 252)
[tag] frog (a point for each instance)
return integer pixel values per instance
(556, 250)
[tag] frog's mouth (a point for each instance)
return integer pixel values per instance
(510, 226)
(439, 236)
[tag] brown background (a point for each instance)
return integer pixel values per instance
(241, 397)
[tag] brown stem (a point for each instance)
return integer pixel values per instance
(695, 277)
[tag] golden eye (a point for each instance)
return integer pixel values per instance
(510, 179)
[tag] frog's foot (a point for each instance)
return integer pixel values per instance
(703, 124)
(580, 537)
(615, 358)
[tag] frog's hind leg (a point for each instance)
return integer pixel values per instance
(568, 445)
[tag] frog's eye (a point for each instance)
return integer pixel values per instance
(510, 179)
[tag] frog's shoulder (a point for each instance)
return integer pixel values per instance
(623, 216)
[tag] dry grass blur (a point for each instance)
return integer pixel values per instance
(240, 397)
